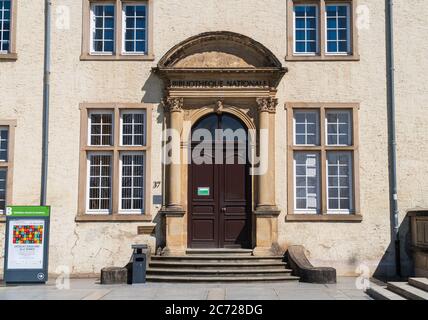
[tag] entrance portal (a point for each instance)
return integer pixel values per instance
(219, 184)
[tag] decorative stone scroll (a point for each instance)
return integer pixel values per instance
(267, 104)
(171, 105)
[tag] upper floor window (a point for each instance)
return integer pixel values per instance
(338, 29)
(305, 29)
(7, 29)
(322, 30)
(102, 27)
(117, 30)
(135, 30)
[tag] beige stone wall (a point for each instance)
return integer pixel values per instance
(87, 247)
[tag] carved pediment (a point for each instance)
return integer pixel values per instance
(221, 49)
(212, 59)
(220, 60)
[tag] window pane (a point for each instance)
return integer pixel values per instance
(135, 29)
(4, 26)
(339, 127)
(338, 24)
(4, 136)
(132, 190)
(306, 128)
(103, 28)
(101, 129)
(339, 182)
(133, 128)
(99, 182)
(3, 176)
(305, 33)
(307, 182)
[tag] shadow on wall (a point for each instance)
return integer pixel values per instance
(153, 93)
(152, 90)
(386, 270)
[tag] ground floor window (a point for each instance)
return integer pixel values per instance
(7, 139)
(115, 148)
(323, 147)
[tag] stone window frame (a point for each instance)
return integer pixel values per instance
(12, 55)
(9, 165)
(322, 55)
(118, 54)
(115, 150)
(322, 149)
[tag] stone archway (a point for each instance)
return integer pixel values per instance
(220, 72)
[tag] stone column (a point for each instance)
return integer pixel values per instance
(174, 212)
(266, 213)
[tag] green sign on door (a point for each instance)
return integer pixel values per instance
(203, 191)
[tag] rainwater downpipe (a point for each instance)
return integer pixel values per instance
(392, 134)
(46, 89)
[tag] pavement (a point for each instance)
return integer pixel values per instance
(90, 289)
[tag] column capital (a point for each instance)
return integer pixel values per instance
(267, 104)
(171, 105)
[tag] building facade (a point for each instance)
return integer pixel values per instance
(131, 77)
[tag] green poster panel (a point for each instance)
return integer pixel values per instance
(26, 244)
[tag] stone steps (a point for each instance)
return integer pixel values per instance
(420, 283)
(217, 258)
(414, 289)
(202, 265)
(235, 252)
(218, 265)
(219, 272)
(407, 291)
(159, 278)
(382, 293)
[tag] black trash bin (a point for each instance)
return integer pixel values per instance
(139, 263)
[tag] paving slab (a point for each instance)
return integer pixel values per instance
(90, 289)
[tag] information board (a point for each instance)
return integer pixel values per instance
(26, 244)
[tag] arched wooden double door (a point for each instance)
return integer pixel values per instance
(219, 184)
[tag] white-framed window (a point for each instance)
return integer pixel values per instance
(133, 127)
(5, 25)
(115, 162)
(132, 177)
(322, 152)
(102, 28)
(307, 182)
(305, 18)
(99, 183)
(306, 127)
(4, 141)
(3, 186)
(339, 182)
(134, 22)
(101, 128)
(339, 127)
(338, 29)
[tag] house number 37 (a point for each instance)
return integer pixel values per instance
(156, 184)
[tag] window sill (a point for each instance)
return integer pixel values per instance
(323, 58)
(8, 56)
(324, 217)
(119, 57)
(113, 218)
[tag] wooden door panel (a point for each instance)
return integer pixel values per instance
(204, 230)
(221, 217)
(234, 230)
